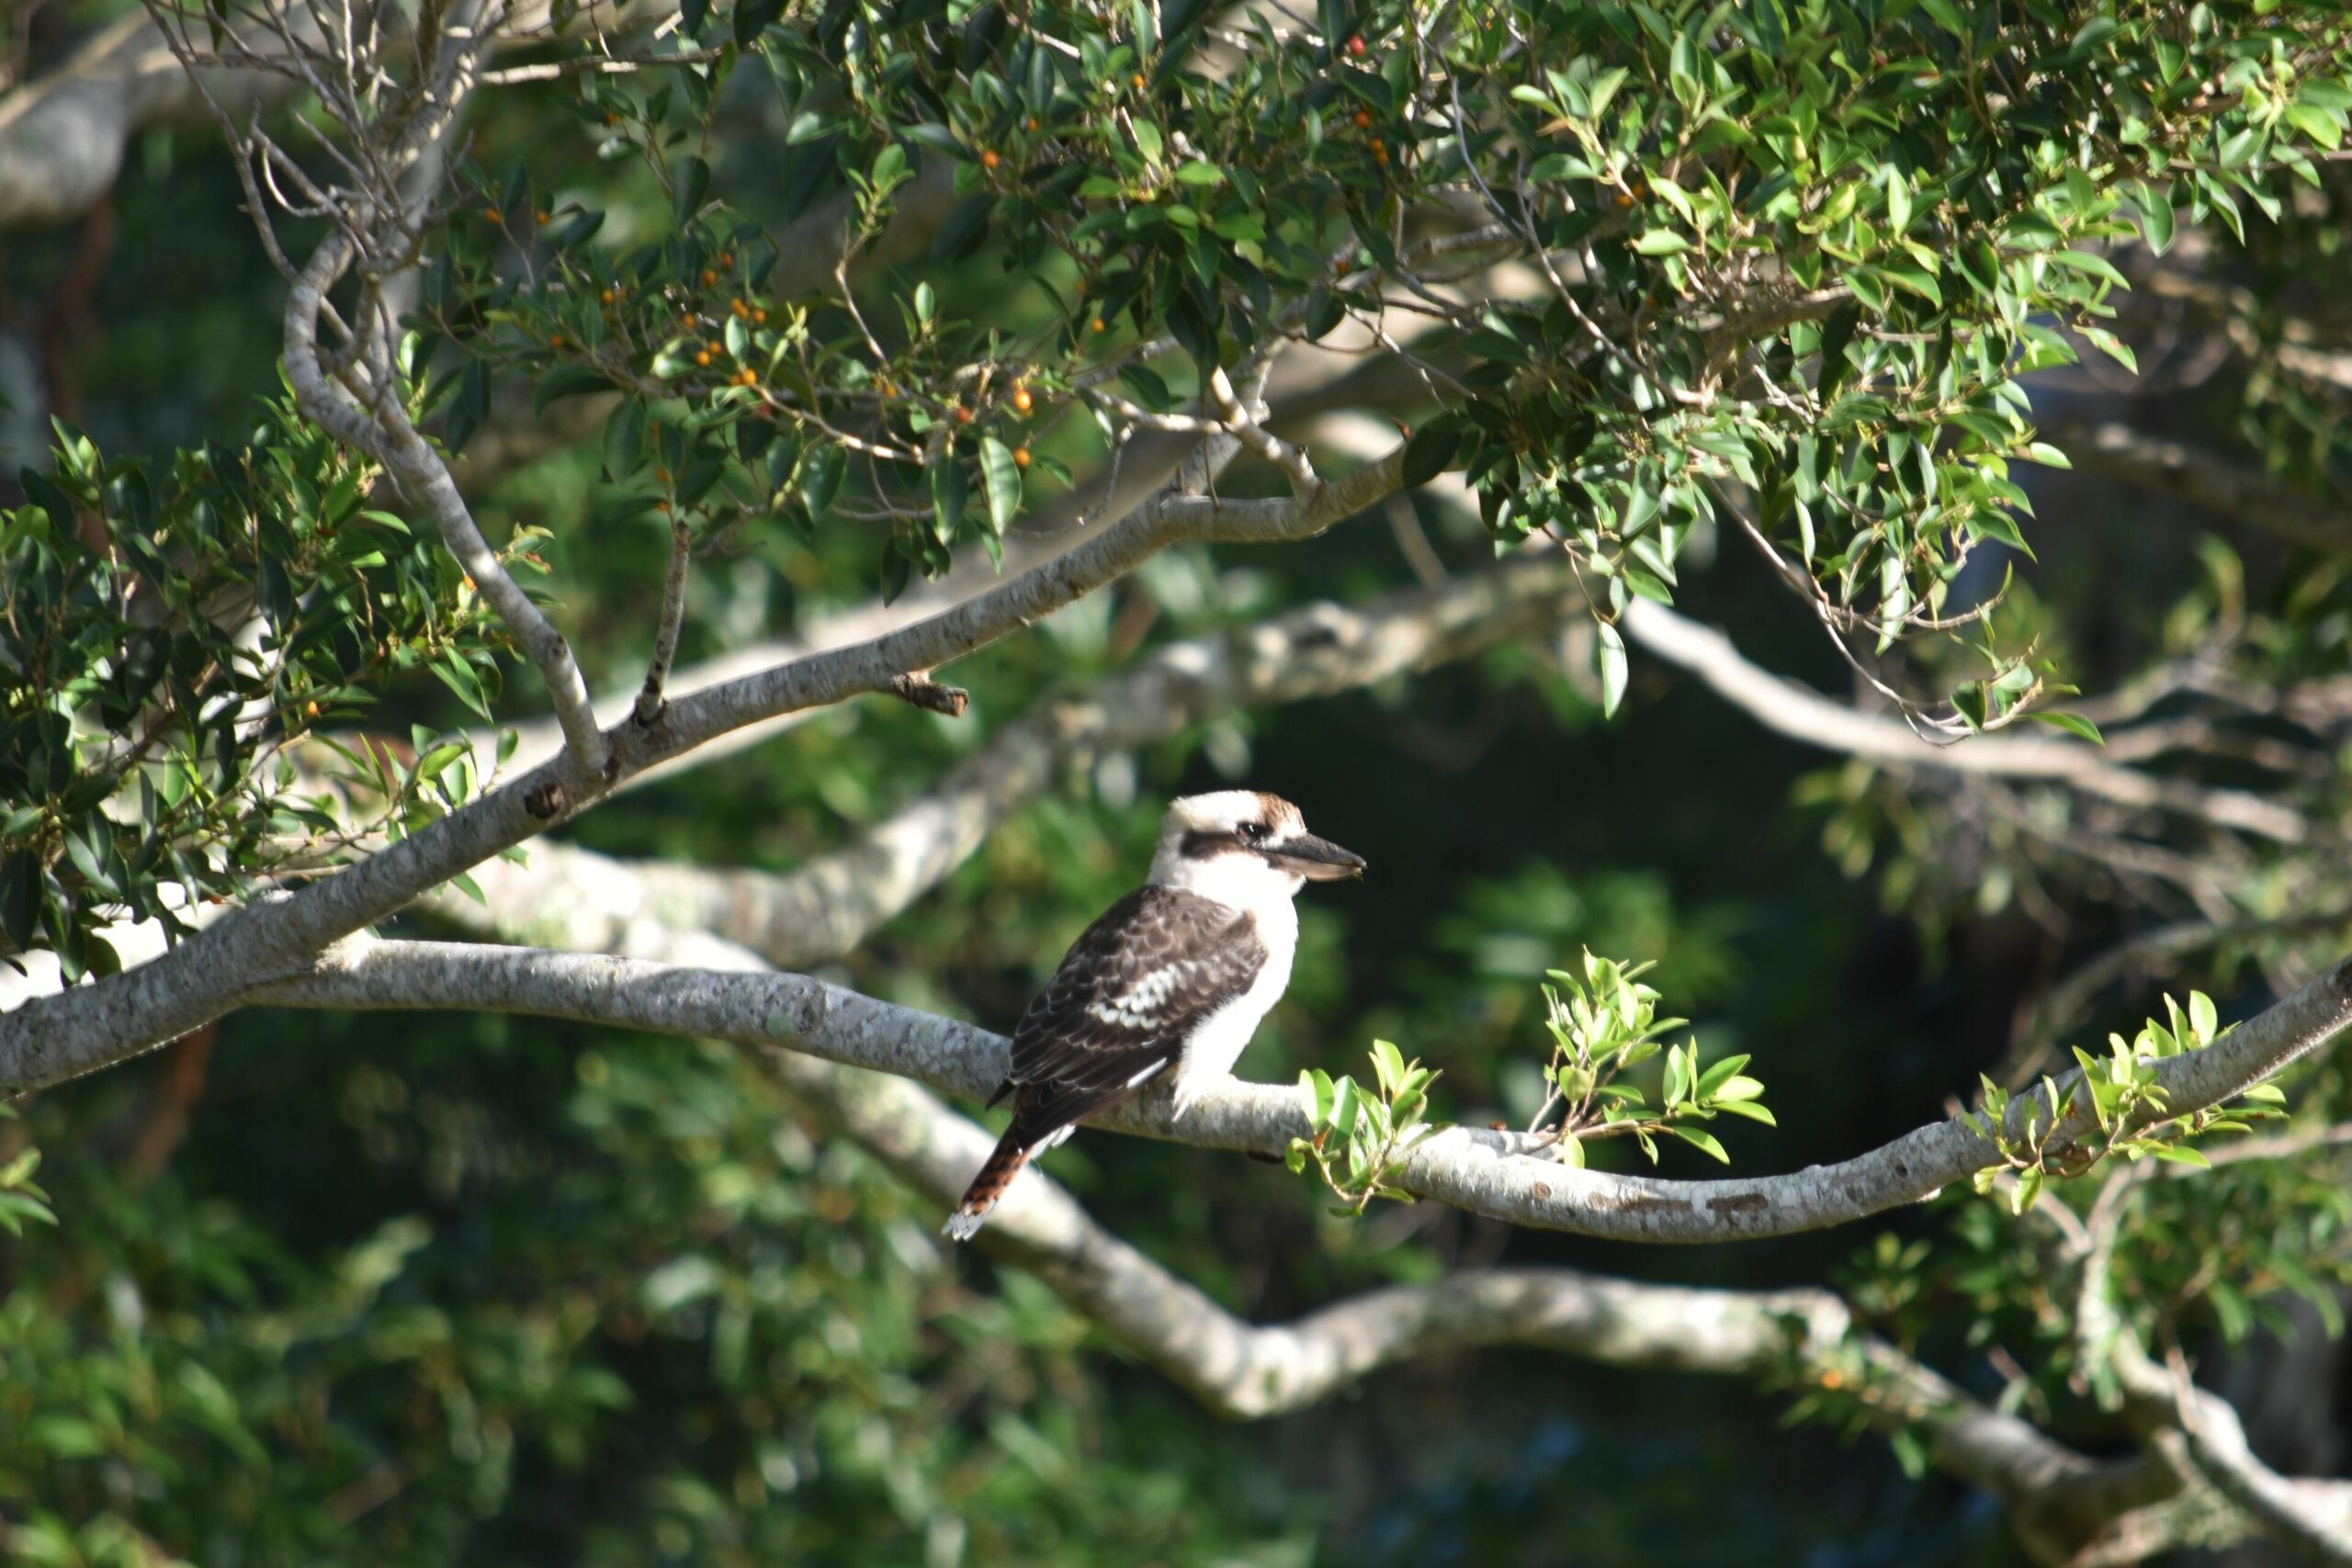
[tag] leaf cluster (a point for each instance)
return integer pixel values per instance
(1361, 1137)
(1603, 1024)
(171, 630)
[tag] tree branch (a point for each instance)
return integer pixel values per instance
(384, 433)
(2067, 1510)
(571, 897)
(1803, 715)
(1504, 1176)
(2065, 1003)
(2312, 1515)
(2206, 479)
(53, 1038)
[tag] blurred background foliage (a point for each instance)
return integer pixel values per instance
(420, 1289)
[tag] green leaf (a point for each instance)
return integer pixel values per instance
(624, 439)
(1347, 1105)
(1317, 1087)
(2202, 1018)
(1699, 1139)
(1001, 478)
(1661, 242)
(21, 899)
(435, 762)
(1722, 1073)
(1837, 336)
(1614, 669)
(1429, 450)
(2156, 217)
(2072, 723)
(567, 381)
(689, 185)
(821, 479)
(951, 488)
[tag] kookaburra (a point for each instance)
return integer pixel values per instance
(1175, 977)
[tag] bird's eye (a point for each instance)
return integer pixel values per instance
(1252, 831)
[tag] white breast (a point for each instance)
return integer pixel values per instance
(1218, 1043)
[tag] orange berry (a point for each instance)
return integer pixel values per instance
(1379, 151)
(1095, 325)
(542, 216)
(1362, 118)
(708, 278)
(702, 356)
(311, 708)
(1137, 80)
(1356, 45)
(989, 160)
(963, 415)
(1339, 266)
(713, 348)
(555, 340)
(611, 119)
(606, 295)
(1022, 400)
(739, 307)
(1030, 124)
(749, 377)
(727, 258)
(759, 316)
(494, 215)
(662, 506)
(1021, 456)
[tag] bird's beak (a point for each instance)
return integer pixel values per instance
(1317, 859)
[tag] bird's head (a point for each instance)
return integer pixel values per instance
(1240, 846)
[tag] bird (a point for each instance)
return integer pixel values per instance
(1174, 978)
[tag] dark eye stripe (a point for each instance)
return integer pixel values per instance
(1200, 844)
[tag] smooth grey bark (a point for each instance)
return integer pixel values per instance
(570, 897)
(54, 1038)
(2066, 1508)
(1803, 715)
(1502, 1175)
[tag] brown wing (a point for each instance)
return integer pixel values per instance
(1128, 992)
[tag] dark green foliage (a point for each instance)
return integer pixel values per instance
(422, 1289)
(169, 632)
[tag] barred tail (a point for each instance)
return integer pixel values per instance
(989, 1187)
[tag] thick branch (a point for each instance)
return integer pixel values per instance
(571, 897)
(2312, 1516)
(2204, 478)
(54, 1038)
(1801, 714)
(61, 138)
(2066, 1508)
(1503, 1176)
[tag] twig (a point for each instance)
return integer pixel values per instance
(649, 702)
